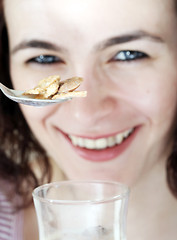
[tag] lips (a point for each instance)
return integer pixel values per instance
(101, 149)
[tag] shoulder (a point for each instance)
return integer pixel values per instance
(11, 222)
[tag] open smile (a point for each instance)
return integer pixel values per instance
(104, 148)
(100, 143)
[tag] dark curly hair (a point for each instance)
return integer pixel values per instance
(17, 141)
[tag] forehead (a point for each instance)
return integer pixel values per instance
(48, 16)
(80, 6)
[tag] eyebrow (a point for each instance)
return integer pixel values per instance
(128, 37)
(36, 44)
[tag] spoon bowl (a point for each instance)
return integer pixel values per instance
(17, 96)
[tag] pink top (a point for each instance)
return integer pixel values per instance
(11, 224)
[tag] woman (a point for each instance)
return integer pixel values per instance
(124, 130)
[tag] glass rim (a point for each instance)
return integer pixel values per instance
(125, 192)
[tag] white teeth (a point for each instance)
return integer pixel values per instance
(100, 143)
(74, 140)
(80, 142)
(89, 143)
(126, 133)
(111, 141)
(119, 138)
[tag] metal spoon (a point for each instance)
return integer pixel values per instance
(17, 96)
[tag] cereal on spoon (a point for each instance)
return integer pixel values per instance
(52, 88)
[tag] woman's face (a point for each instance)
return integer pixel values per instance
(126, 51)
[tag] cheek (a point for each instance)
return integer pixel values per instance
(162, 102)
(151, 93)
(159, 108)
(37, 116)
(38, 120)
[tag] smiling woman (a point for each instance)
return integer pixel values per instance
(124, 130)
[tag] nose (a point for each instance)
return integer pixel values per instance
(100, 101)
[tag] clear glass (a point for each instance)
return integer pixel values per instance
(81, 210)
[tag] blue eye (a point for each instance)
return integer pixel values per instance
(129, 56)
(45, 59)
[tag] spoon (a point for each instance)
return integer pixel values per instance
(17, 96)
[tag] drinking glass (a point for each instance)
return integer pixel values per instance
(81, 210)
